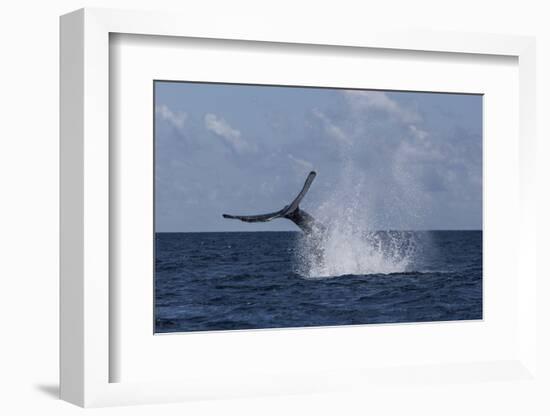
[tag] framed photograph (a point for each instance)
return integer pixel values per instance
(393, 227)
(271, 212)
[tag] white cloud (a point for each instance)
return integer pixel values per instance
(301, 162)
(220, 127)
(378, 100)
(332, 129)
(418, 132)
(176, 119)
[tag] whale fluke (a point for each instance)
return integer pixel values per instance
(302, 219)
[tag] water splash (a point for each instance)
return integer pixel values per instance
(345, 252)
(349, 245)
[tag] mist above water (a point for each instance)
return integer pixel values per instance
(354, 242)
(346, 252)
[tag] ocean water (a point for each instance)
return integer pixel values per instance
(249, 280)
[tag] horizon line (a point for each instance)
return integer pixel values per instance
(298, 231)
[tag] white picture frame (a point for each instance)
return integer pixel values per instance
(86, 265)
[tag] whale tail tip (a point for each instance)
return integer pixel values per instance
(285, 212)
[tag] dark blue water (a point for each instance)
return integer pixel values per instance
(224, 281)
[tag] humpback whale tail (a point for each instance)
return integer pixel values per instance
(302, 219)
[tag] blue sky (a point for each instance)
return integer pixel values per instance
(403, 160)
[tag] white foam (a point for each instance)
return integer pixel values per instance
(345, 251)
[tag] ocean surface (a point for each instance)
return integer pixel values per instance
(248, 280)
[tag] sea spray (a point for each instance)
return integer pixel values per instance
(352, 252)
(352, 243)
